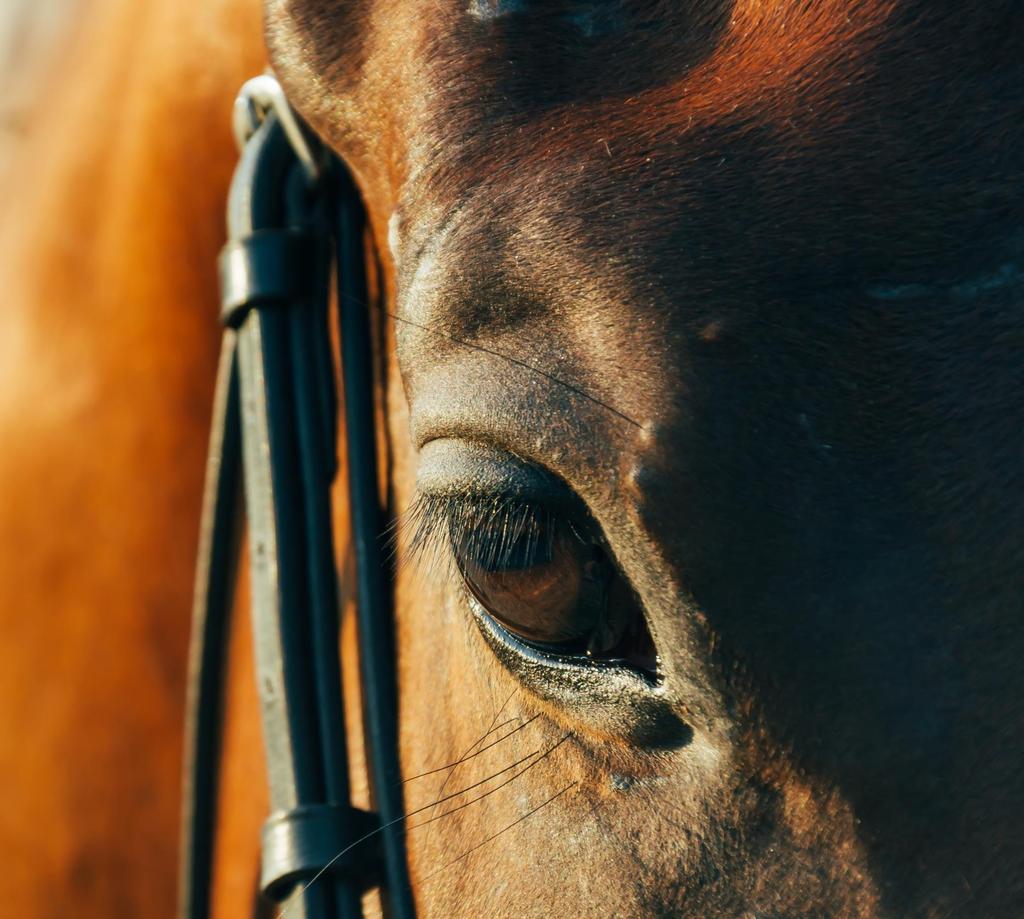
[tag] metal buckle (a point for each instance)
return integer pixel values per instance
(258, 97)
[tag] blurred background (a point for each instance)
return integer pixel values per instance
(31, 34)
(115, 154)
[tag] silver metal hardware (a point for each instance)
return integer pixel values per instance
(264, 94)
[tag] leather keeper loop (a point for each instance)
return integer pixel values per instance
(301, 843)
(270, 266)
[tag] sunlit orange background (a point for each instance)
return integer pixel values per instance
(115, 152)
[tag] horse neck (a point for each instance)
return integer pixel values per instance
(112, 219)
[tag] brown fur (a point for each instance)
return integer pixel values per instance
(782, 239)
(777, 239)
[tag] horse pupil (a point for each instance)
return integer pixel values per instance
(550, 583)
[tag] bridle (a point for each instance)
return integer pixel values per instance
(293, 216)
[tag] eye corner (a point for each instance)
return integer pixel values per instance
(608, 699)
(650, 676)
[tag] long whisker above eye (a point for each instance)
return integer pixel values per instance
(533, 368)
(515, 361)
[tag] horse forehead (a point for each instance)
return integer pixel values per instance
(438, 71)
(495, 9)
(767, 113)
(474, 97)
(587, 19)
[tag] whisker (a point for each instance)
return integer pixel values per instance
(533, 368)
(489, 839)
(518, 362)
(462, 791)
(327, 867)
(482, 750)
(490, 791)
(558, 794)
(491, 728)
(473, 745)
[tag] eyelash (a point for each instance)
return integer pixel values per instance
(583, 607)
(491, 528)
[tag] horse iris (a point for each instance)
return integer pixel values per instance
(548, 583)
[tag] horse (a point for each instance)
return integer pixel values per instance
(703, 394)
(697, 352)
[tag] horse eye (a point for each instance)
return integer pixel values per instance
(549, 583)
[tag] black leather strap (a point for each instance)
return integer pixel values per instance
(374, 602)
(216, 572)
(277, 385)
(288, 466)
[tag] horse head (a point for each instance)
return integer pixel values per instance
(703, 384)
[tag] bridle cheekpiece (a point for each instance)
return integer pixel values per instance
(295, 229)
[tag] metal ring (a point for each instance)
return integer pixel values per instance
(258, 97)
